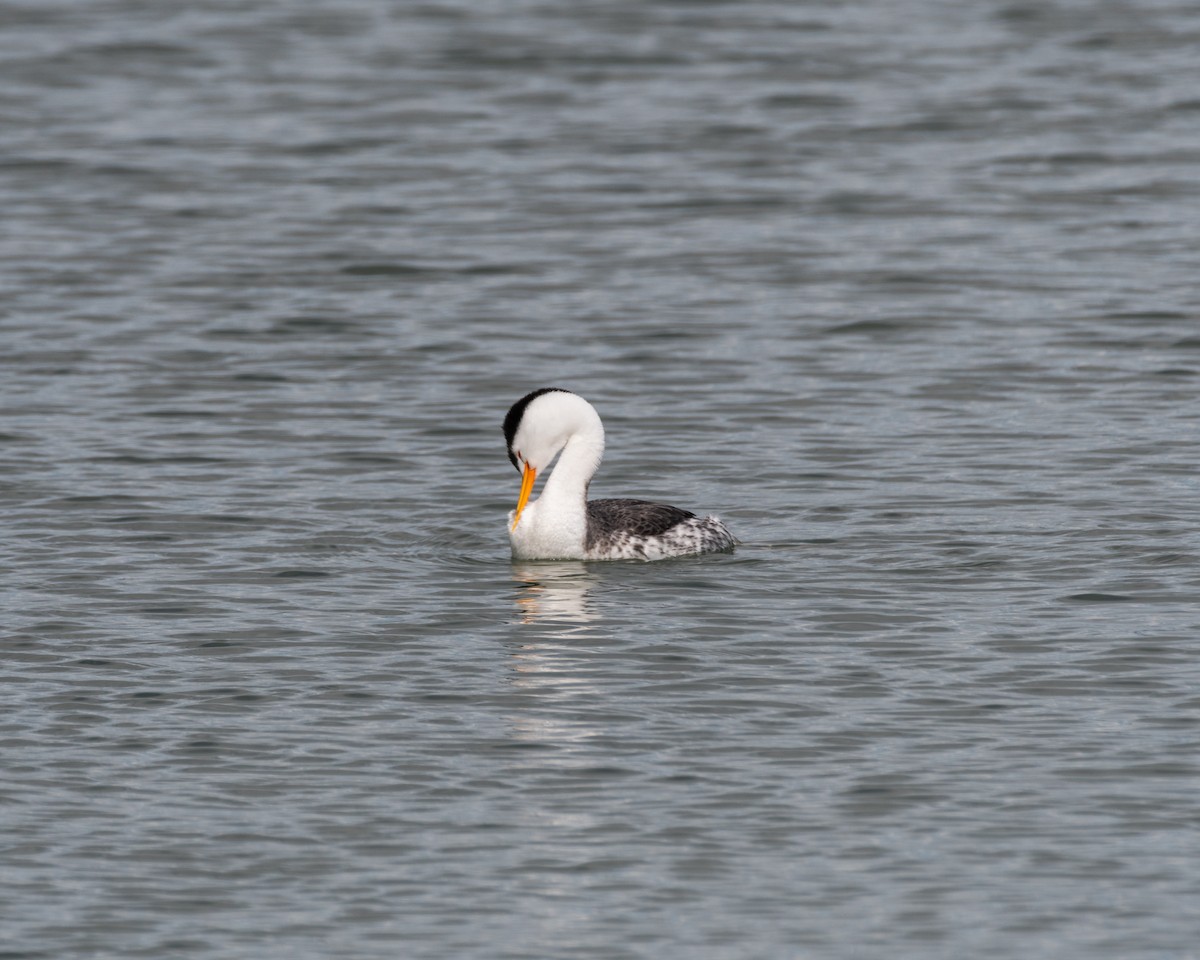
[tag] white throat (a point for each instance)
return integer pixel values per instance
(554, 526)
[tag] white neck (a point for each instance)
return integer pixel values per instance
(555, 525)
(576, 466)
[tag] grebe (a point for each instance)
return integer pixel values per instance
(562, 524)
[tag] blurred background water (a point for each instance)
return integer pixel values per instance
(905, 292)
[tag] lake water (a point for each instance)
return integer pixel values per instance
(906, 293)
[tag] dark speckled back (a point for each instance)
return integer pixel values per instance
(639, 518)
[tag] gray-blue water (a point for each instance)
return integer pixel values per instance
(906, 292)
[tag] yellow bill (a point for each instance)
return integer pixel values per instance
(526, 489)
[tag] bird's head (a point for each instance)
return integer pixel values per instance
(539, 425)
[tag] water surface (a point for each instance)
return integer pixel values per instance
(907, 296)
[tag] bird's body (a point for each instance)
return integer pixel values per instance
(562, 524)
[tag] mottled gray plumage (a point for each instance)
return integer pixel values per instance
(622, 528)
(642, 518)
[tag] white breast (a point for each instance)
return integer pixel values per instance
(545, 533)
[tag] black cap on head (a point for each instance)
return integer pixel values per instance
(513, 419)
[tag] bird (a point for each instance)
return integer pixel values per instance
(562, 524)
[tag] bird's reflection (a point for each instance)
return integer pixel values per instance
(555, 592)
(550, 665)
